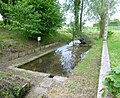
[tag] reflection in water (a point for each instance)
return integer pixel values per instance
(59, 62)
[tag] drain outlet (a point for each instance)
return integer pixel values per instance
(50, 76)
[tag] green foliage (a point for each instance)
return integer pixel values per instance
(112, 81)
(114, 22)
(36, 17)
(110, 33)
(63, 37)
(85, 37)
(15, 91)
(114, 48)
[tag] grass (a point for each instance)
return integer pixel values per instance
(14, 37)
(11, 37)
(114, 48)
(63, 37)
(87, 72)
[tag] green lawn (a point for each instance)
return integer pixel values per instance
(114, 48)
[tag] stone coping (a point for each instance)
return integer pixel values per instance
(31, 59)
(105, 68)
(31, 51)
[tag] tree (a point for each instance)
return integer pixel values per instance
(81, 14)
(4, 9)
(106, 20)
(76, 15)
(98, 12)
(36, 17)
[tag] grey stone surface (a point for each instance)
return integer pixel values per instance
(46, 46)
(37, 49)
(29, 52)
(105, 68)
(15, 55)
(47, 82)
(59, 78)
(37, 92)
(21, 54)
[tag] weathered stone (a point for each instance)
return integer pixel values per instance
(29, 52)
(37, 49)
(21, 54)
(42, 47)
(46, 46)
(37, 92)
(47, 82)
(33, 50)
(105, 68)
(59, 78)
(14, 56)
(50, 44)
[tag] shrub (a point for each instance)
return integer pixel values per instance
(36, 17)
(112, 82)
(86, 38)
(110, 33)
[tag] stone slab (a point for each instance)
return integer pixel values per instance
(59, 78)
(47, 82)
(105, 68)
(37, 92)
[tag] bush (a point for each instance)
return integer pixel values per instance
(112, 81)
(110, 33)
(36, 17)
(86, 38)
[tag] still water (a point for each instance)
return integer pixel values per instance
(59, 62)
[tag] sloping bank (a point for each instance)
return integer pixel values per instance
(84, 80)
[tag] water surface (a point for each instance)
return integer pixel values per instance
(59, 62)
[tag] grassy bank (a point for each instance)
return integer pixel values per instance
(114, 48)
(87, 72)
(16, 41)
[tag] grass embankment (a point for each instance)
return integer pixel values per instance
(83, 82)
(17, 42)
(114, 49)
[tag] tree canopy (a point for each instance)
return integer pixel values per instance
(35, 17)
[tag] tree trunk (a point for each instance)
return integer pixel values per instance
(81, 14)
(106, 20)
(76, 15)
(102, 25)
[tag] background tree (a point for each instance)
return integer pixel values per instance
(106, 19)
(98, 12)
(4, 9)
(76, 15)
(36, 17)
(81, 14)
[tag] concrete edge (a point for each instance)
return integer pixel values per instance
(31, 59)
(105, 68)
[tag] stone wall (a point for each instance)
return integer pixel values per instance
(31, 51)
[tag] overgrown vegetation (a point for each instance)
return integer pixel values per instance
(112, 81)
(10, 88)
(61, 37)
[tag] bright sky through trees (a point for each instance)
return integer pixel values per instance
(88, 23)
